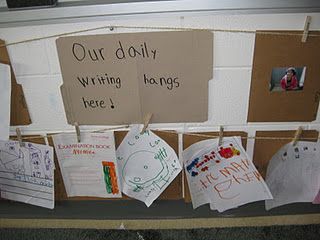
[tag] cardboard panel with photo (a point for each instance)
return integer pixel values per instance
(119, 78)
(285, 85)
(19, 110)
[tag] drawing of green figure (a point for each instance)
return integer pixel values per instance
(145, 169)
(110, 177)
(107, 179)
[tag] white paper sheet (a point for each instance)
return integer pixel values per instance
(293, 174)
(27, 173)
(147, 165)
(88, 168)
(5, 95)
(198, 196)
(223, 176)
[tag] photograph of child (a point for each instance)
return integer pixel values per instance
(287, 79)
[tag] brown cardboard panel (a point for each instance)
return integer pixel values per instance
(119, 78)
(174, 191)
(59, 189)
(33, 139)
(264, 149)
(272, 51)
(19, 111)
(188, 140)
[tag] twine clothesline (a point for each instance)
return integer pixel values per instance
(215, 135)
(112, 27)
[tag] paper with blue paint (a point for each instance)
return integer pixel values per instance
(27, 173)
(223, 176)
(5, 94)
(147, 165)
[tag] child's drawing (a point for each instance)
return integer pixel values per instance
(229, 152)
(148, 165)
(202, 163)
(48, 165)
(151, 169)
(23, 176)
(223, 176)
(110, 177)
(35, 157)
(12, 158)
(293, 174)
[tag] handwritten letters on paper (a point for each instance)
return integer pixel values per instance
(293, 174)
(223, 176)
(147, 165)
(88, 168)
(119, 78)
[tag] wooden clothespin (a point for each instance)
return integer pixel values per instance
(297, 136)
(76, 125)
(146, 122)
(19, 137)
(220, 136)
(306, 29)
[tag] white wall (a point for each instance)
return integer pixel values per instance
(37, 67)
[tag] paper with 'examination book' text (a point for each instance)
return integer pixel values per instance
(88, 167)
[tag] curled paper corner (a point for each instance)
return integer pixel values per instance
(122, 227)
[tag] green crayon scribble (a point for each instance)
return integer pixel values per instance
(107, 179)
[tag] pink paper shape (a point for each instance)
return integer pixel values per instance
(317, 199)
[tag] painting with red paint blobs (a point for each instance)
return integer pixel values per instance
(223, 176)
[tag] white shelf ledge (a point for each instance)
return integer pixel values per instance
(84, 10)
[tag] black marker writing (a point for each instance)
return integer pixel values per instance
(103, 79)
(112, 106)
(169, 82)
(79, 51)
(142, 51)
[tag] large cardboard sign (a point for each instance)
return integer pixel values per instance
(119, 78)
